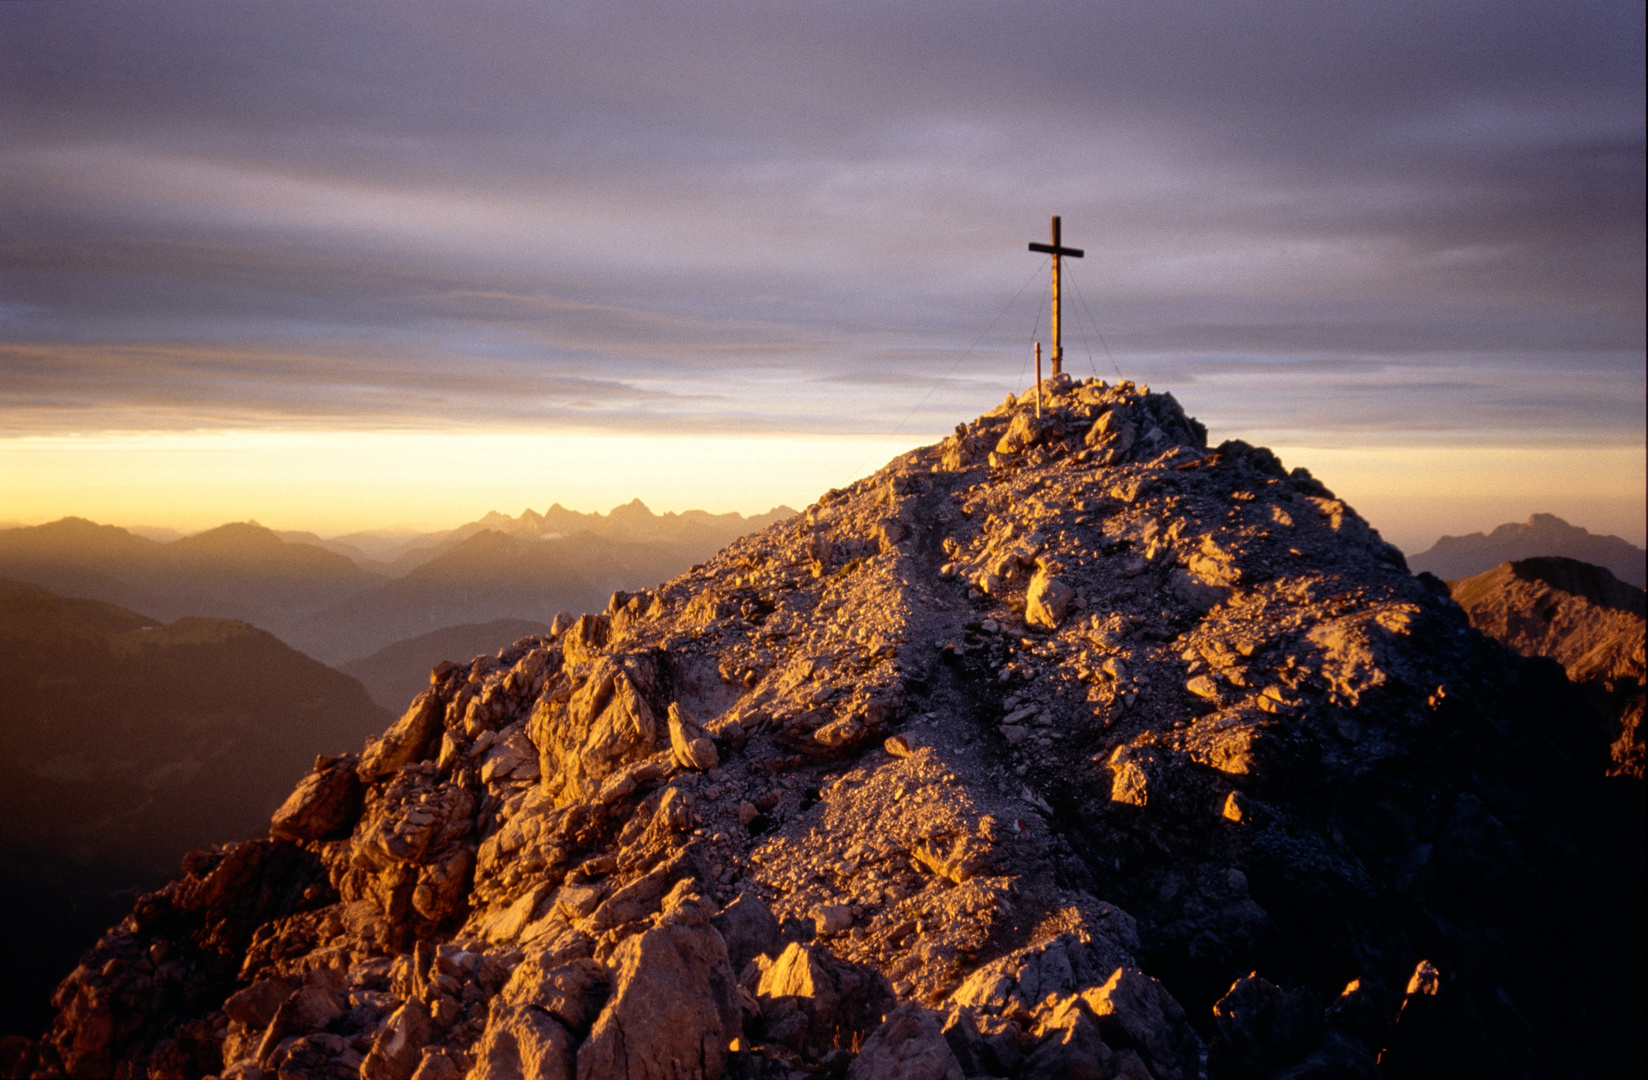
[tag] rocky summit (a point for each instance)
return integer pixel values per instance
(1064, 748)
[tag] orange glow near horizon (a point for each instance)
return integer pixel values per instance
(338, 482)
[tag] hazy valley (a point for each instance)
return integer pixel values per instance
(345, 599)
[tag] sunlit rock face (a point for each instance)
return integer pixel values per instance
(1065, 747)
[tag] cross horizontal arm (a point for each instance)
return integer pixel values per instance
(1049, 249)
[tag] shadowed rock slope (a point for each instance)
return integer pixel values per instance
(1062, 748)
(1582, 617)
(123, 744)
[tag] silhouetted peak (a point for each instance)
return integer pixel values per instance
(236, 536)
(631, 512)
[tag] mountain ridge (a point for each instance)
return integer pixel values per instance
(1455, 557)
(1585, 619)
(305, 589)
(1066, 747)
(697, 530)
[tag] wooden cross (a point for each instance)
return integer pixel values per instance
(1055, 250)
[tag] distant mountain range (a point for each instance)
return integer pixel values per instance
(488, 576)
(239, 571)
(125, 742)
(697, 531)
(1543, 535)
(348, 597)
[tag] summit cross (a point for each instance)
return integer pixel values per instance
(1056, 250)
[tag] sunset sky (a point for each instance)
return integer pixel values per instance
(341, 266)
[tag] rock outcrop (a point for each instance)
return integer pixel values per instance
(1585, 619)
(1063, 748)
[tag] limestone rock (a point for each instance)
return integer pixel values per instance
(640, 898)
(586, 637)
(890, 533)
(327, 800)
(605, 724)
(909, 1045)
(1196, 590)
(398, 1048)
(1026, 431)
(1047, 601)
(1018, 982)
(255, 1005)
(1130, 775)
(692, 746)
(408, 740)
(812, 1001)
(748, 928)
(674, 1008)
(437, 1064)
(1112, 435)
(1261, 1028)
(533, 1027)
(522, 1043)
(1070, 1044)
(957, 858)
(832, 919)
(1135, 1010)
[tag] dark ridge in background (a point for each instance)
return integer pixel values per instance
(396, 673)
(125, 742)
(1455, 557)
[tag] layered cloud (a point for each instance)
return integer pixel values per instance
(1410, 221)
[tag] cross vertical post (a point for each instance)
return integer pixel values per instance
(1058, 304)
(1057, 250)
(1038, 380)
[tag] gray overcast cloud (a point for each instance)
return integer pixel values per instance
(1422, 219)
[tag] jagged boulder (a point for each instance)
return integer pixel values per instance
(1046, 601)
(1113, 435)
(398, 1048)
(606, 723)
(814, 1002)
(690, 744)
(326, 801)
(748, 929)
(548, 1004)
(408, 741)
(909, 1045)
(674, 1009)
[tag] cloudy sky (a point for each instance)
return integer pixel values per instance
(337, 265)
